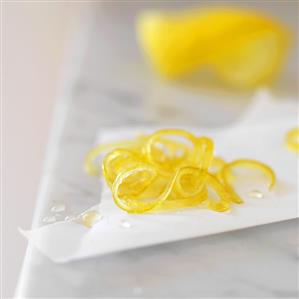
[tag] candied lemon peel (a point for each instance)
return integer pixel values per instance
(167, 170)
(292, 140)
(243, 47)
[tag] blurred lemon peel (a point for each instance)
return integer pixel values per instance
(243, 48)
(292, 140)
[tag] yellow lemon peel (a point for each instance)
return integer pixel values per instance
(167, 170)
(226, 175)
(292, 140)
(252, 52)
(90, 165)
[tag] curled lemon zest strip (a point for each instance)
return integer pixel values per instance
(178, 204)
(168, 170)
(204, 152)
(136, 206)
(226, 175)
(224, 203)
(117, 160)
(292, 140)
(216, 166)
(158, 136)
(93, 168)
(192, 174)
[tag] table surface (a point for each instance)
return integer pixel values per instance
(109, 86)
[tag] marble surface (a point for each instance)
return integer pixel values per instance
(110, 86)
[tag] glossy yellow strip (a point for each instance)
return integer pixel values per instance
(90, 165)
(226, 175)
(167, 166)
(118, 160)
(132, 205)
(193, 183)
(182, 203)
(223, 204)
(292, 140)
(168, 170)
(204, 152)
(217, 165)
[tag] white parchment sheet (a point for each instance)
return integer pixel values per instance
(253, 138)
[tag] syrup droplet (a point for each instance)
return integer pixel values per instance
(89, 218)
(49, 219)
(256, 194)
(126, 224)
(58, 207)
